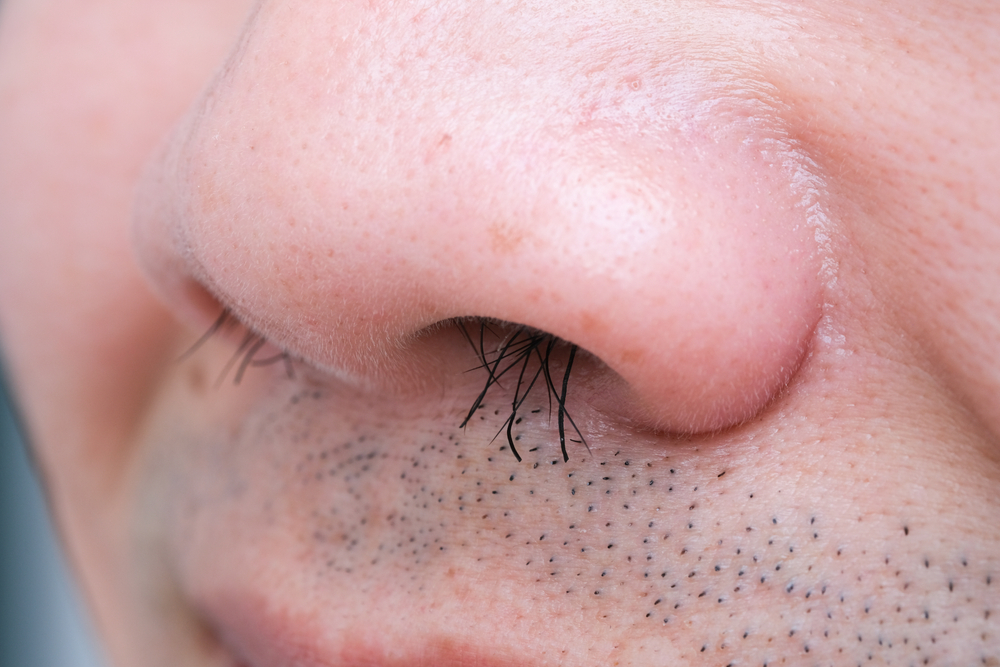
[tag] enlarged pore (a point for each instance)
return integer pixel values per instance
(516, 358)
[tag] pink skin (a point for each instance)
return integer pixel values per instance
(651, 176)
(771, 227)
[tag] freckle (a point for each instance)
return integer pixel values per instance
(927, 563)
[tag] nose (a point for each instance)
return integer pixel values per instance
(344, 190)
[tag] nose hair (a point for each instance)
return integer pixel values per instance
(680, 250)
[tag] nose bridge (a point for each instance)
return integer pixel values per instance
(342, 200)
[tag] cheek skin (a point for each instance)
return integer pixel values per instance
(329, 526)
(86, 91)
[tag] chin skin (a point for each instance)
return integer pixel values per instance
(770, 229)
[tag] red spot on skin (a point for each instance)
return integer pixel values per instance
(632, 356)
(591, 323)
(442, 146)
(504, 237)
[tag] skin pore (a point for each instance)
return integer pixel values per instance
(771, 229)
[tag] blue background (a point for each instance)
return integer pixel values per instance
(41, 619)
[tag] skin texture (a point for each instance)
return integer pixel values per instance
(772, 229)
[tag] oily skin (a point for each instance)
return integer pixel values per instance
(342, 517)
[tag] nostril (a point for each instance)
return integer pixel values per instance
(522, 371)
(529, 362)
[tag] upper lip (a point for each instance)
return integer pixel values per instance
(259, 634)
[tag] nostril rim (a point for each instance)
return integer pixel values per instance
(253, 350)
(525, 367)
(213, 330)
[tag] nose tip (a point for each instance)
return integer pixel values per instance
(681, 254)
(695, 279)
(690, 269)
